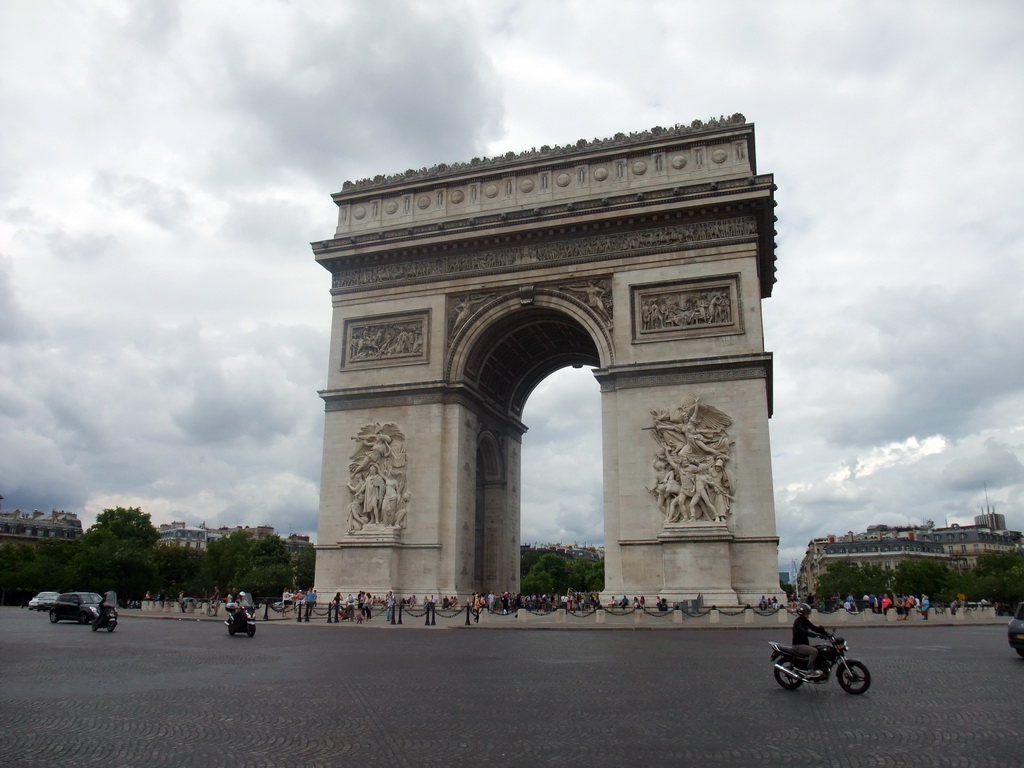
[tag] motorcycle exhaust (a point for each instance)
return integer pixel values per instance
(787, 672)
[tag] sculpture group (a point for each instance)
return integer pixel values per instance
(377, 479)
(693, 482)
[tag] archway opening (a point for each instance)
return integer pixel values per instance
(562, 481)
(529, 349)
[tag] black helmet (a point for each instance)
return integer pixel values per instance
(804, 609)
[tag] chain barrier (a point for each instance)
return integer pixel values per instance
(723, 612)
(657, 612)
(695, 613)
(616, 610)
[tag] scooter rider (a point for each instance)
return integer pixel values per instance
(803, 630)
(239, 616)
(105, 607)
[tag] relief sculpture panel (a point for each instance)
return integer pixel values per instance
(385, 340)
(693, 481)
(377, 480)
(695, 308)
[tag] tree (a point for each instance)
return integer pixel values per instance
(178, 569)
(117, 553)
(998, 577)
(227, 560)
(303, 568)
(130, 526)
(922, 577)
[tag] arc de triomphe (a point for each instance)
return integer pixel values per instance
(457, 289)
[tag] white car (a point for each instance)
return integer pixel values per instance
(43, 601)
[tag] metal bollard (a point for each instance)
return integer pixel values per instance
(399, 613)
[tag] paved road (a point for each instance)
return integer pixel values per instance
(183, 693)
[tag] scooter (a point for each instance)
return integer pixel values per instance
(791, 668)
(106, 613)
(243, 617)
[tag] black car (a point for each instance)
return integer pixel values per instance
(1016, 630)
(82, 607)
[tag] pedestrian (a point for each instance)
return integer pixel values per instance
(310, 601)
(390, 603)
(925, 605)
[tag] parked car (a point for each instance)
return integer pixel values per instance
(82, 607)
(43, 601)
(1015, 630)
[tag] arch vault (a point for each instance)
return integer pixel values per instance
(457, 289)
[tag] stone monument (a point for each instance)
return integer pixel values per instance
(457, 289)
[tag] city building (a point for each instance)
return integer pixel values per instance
(570, 552)
(887, 546)
(181, 535)
(25, 526)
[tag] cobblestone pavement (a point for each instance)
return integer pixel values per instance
(182, 693)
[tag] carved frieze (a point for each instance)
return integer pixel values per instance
(706, 307)
(654, 240)
(386, 340)
(377, 475)
(693, 483)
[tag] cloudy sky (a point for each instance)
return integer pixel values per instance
(164, 328)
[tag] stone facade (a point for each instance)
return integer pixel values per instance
(456, 290)
(21, 526)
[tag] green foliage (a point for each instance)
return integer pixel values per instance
(117, 553)
(526, 561)
(304, 567)
(551, 573)
(260, 566)
(922, 577)
(131, 526)
(179, 569)
(845, 577)
(998, 577)
(121, 551)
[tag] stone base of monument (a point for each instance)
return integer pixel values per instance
(698, 555)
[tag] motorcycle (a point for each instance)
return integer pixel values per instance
(791, 670)
(243, 617)
(106, 613)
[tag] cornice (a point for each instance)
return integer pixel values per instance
(567, 152)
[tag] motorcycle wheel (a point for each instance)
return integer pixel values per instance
(853, 677)
(53, 617)
(95, 626)
(250, 631)
(111, 625)
(231, 629)
(785, 680)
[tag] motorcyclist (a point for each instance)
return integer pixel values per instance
(803, 630)
(239, 616)
(106, 607)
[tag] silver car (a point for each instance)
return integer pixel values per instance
(1015, 630)
(43, 601)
